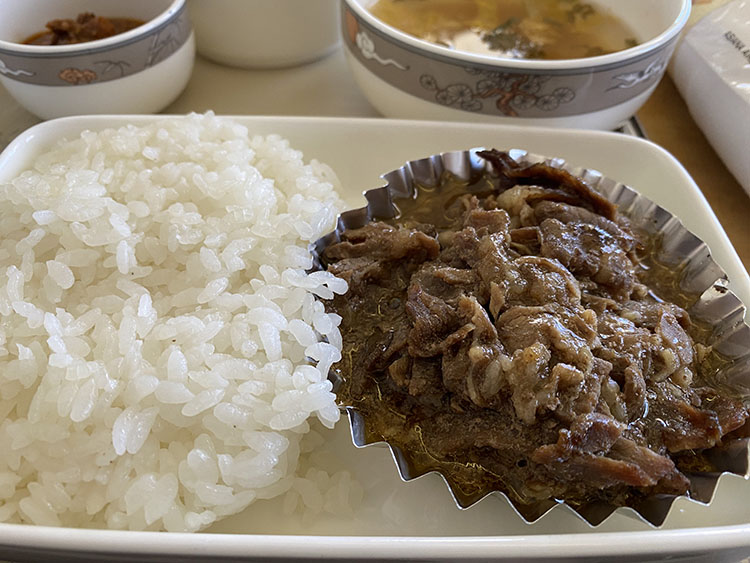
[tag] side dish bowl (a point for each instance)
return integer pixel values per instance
(139, 71)
(406, 77)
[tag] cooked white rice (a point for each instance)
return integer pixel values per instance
(156, 326)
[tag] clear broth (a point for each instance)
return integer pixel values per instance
(523, 29)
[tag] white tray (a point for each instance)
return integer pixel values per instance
(418, 520)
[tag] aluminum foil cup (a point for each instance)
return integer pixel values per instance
(716, 308)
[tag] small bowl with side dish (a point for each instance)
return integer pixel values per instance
(140, 70)
(407, 77)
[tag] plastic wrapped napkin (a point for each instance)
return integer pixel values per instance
(712, 72)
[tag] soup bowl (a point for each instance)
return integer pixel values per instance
(139, 71)
(406, 77)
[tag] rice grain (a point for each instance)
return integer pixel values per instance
(162, 349)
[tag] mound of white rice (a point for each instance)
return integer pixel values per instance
(157, 325)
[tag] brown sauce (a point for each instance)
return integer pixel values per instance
(86, 27)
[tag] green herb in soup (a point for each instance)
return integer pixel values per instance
(522, 29)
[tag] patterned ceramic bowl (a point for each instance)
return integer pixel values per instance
(407, 77)
(139, 71)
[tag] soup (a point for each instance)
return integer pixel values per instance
(522, 29)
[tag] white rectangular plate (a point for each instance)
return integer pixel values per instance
(418, 520)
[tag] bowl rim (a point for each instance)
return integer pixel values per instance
(21, 49)
(617, 58)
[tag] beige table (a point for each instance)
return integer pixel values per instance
(667, 122)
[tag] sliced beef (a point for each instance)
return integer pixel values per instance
(559, 184)
(445, 282)
(436, 324)
(621, 462)
(534, 280)
(490, 221)
(366, 255)
(648, 312)
(379, 241)
(472, 369)
(589, 251)
(730, 411)
(400, 371)
(518, 201)
(569, 336)
(525, 241)
(358, 272)
(573, 214)
(676, 354)
(511, 345)
(583, 396)
(654, 342)
(628, 349)
(486, 429)
(550, 363)
(461, 249)
(592, 433)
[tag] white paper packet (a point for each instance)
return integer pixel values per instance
(711, 69)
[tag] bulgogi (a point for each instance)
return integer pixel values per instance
(504, 336)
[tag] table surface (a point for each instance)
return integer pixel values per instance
(667, 122)
(326, 88)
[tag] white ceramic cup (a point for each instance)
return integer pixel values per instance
(265, 33)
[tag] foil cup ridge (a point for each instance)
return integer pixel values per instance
(717, 306)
